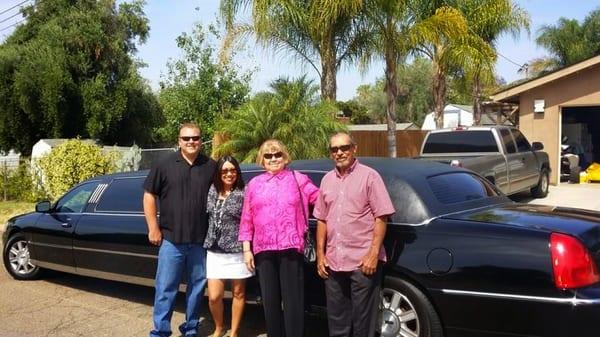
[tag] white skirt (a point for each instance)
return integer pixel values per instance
(226, 266)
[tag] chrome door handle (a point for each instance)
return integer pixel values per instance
(65, 225)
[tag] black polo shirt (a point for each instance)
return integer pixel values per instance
(182, 190)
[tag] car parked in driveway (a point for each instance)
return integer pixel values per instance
(463, 259)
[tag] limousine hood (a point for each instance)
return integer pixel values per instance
(584, 224)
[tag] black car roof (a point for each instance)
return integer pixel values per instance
(405, 179)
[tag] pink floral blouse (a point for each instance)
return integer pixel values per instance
(271, 216)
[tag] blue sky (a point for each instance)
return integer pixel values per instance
(169, 18)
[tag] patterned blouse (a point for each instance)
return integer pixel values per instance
(224, 221)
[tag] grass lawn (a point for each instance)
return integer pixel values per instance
(11, 208)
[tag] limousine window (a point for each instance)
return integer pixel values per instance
(122, 195)
(459, 187)
(76, 199)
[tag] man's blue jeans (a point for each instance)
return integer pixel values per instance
(173, 261)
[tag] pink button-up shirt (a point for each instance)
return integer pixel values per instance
(349, 205)
(272, 216)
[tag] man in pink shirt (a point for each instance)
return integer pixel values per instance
(352, 209)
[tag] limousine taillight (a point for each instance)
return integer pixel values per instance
(572, 263)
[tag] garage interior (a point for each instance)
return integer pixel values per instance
(582, 126)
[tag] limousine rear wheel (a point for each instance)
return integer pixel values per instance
(17, 260)
(405, 311)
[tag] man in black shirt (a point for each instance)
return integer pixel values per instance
(180, 182)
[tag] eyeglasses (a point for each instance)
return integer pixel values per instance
(344, 148)
(229, 170)
(277, 155)
(188, 138)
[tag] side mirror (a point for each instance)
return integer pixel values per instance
(537, 146)
(42, 207)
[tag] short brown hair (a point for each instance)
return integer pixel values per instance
(272, 145)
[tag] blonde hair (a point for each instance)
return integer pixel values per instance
(272, 145)
(190, 125)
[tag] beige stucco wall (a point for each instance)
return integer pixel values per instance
(579, 89)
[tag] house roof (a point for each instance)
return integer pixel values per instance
(468, 108)
(511, 94)
(381, 127)
(54, 142)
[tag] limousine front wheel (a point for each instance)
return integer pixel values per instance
(17, 260)
(405, 311)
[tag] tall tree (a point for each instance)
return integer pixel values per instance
(414, 99)
(489, 19)
(68, 71)
(568, 42)
(394, 31)
(463, 50)
(290, 112)
(315, 31)
(198, 88)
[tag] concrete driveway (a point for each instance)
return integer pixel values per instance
(585, 196)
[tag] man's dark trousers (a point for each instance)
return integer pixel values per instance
(352, 302)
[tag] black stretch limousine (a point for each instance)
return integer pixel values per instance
(463, 260)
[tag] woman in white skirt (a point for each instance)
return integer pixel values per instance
(224, 257)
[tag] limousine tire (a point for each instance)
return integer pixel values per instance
(406, 311)
(541, 189)
(16, 259)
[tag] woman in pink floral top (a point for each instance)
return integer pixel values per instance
(272, 233)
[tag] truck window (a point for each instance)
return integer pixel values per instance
(522, 143)
(460, 141)
(460, 187)
(123, 195)
(508, 141)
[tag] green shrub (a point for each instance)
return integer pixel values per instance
(70, 163)
(17, 184)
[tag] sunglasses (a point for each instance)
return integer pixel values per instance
(188, 138)
(277, 155)
(344, 148)
(229, 170)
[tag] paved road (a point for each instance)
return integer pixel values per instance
(63, 305)
(586, 196)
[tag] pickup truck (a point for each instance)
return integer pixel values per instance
(501, 154)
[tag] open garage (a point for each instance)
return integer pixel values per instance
(565, 102)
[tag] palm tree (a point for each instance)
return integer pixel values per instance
(291, 112)
(568, 42)
(394, 31)
(463, 50)
(325, 31)
(489, 19)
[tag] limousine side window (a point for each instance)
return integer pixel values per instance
(75, 200)
(460, 187)
(122, 195)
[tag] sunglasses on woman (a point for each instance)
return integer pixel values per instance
(277, 155)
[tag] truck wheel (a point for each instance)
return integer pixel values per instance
(405, 311)
(541, 189)
(574, 176)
